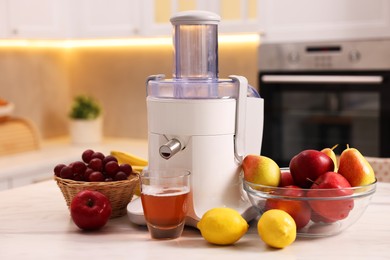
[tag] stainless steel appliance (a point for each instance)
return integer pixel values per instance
(323, 93)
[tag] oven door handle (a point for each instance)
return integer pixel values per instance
(327, 79)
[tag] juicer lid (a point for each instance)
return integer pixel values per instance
(195, 17)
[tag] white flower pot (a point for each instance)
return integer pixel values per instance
(86, 131)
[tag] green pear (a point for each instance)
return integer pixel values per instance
(355, 168)
(330, 152)
(261, 170)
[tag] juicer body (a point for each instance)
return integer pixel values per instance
(201, 123)
(206, 130)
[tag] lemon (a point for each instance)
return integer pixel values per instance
(277, 228)
(222, 226)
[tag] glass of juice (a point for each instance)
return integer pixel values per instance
(164, 196)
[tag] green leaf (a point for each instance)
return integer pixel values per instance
(85, 107)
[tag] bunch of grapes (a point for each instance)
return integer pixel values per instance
(94, 167)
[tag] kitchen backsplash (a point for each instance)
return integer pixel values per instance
(41, 82)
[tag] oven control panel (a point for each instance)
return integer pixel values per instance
(344, 55)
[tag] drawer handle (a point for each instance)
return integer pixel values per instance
(322, 79)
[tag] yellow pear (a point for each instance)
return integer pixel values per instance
(355, 168)
(329, 152)
(261, 170)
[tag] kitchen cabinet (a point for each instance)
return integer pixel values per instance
(3, 20)
(277, 20)
(105, 18)
(34, 19)
(33, 177)
(157, 13)
(63, 19)
(4, 185)
(306, 20)
(114, 19)
(236, 15)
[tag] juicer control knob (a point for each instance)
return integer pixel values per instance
(169, 149)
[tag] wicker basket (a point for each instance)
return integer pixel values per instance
(119, 193)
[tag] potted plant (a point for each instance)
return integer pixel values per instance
(86, 120)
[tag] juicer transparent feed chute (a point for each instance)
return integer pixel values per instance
(195, 46)
(199, 122)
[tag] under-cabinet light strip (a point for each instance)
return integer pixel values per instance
(244, 38)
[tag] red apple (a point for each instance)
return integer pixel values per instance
(328, 186)
(286, 179)
(308, 165)
(318, 218)
(299, 210)
(90, 209)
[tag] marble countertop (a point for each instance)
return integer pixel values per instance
(35, 224)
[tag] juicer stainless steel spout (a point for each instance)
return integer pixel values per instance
(169, 149)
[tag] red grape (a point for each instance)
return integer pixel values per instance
(87, 155)
(111, 168)
(98, 155)
(87, 172)
(66, 173)
(119, 176)
(96, 164)
(58, 168)
(96, 176)
(126, 168)
(78, 177)
(78, 168)
(109, 158)
(94, 167)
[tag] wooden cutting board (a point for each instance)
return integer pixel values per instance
(18, 135)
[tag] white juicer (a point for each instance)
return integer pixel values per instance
(201, 123)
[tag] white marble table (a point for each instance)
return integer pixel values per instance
(35, 224)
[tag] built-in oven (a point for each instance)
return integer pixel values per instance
(317, 95)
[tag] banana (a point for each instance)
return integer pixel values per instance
(136, 162)
(128, 158)
(137, 168)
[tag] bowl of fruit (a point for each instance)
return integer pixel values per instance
(322, 196)
(98, 172)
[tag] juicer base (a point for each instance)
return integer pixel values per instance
(135, 214)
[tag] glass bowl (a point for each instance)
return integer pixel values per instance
(317, 212)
